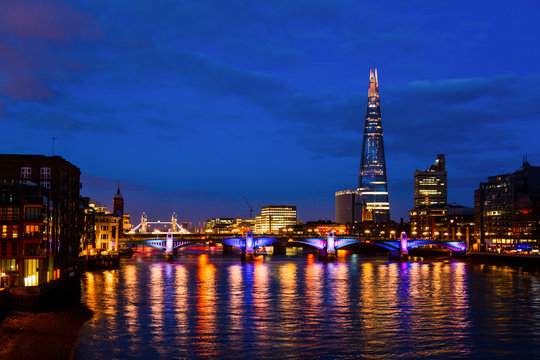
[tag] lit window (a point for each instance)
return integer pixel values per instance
(26, 172)
(45, 173)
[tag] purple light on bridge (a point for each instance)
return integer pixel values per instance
(404, 249)
(249, 242)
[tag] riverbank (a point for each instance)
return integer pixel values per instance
(505, 259)
(48, 335)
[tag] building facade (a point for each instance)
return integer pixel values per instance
(507, 209)
(372, 183)
(347, 209)
(430, 186)
(40, 219)
(443, 222)
(275, 217)
(102, 229)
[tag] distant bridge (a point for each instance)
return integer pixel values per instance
(326, 247)
(145, 226)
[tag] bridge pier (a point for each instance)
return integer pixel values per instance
(248, 253)
(324, 254)
(247, 256)
(169, 255)
(329, 253)
(280, 248)
(404, 255)
(227, 249)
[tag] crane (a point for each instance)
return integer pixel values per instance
(249, 205)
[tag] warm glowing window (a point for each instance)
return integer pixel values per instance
(9, 231)
(31, 230)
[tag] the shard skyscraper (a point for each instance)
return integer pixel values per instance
(372, 184)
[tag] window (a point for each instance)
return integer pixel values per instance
(8, 249)
(104, 228)
(104, 245)
(45, 173)
(33, 213)
(45, 183)
(9, 231)
(104, 236)
(31, 273)
(32, 230)
(32, 249)
(26, 172)
(9, 214)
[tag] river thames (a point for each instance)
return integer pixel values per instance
(206, 305)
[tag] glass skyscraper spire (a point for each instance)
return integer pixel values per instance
(372, 181)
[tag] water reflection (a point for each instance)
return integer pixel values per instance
(205, 317)
(211, 306)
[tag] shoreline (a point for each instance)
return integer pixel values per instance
(46, 335)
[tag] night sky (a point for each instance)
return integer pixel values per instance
(190, 104)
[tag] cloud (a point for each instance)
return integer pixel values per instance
(56, 20)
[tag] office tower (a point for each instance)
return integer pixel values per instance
(372, 180)
(347, 209)
(275, 217)
(430, 186)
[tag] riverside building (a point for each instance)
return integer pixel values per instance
(275, 217)
(507, 210)
(102, 229)
(39, 221)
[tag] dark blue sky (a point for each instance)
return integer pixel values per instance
(190, 104)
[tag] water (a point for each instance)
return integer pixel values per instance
(212, 306)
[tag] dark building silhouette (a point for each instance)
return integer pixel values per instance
(40, 221)
(507, 209)
(118, 203)
(430, 186)
(372, 183)
(347, 210)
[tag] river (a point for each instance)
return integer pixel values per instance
(207, 305)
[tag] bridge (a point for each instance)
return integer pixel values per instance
(248, 245)
(145, 226)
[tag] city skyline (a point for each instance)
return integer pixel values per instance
(188, 121)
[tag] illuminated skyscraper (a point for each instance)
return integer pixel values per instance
(430, 185)
(372, 182)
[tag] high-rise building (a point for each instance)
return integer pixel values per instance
(430, 186)
(372, 183)
(507, 209)
(275, 217)
(347, 209)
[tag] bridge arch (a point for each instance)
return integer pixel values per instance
(455, 246)
(388, 245)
